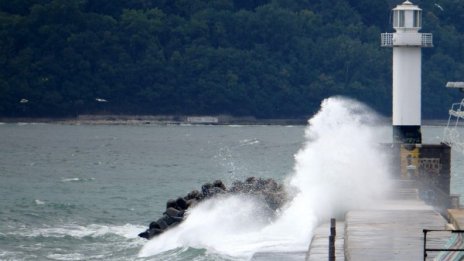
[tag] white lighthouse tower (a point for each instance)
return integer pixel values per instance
(407, 43)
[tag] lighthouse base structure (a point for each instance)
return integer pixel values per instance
(410, 134)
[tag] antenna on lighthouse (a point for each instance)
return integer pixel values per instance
(407, 43)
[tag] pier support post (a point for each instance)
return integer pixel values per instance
(333, 233)
(425, 243)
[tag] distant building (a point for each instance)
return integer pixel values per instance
(202, 120)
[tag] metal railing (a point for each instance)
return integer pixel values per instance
(388, 40)
(427, 40)
(439, 249)
(452, 132)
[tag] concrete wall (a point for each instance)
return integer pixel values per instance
(430, 164)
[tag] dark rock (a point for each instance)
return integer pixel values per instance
(175, 213)
(181, 204)
(268, 190)
(219, 184)
(205, 190)
(145, 234)
(194, 194)
(162, 222)
(154, 225)
(191, 203)
(171, 204)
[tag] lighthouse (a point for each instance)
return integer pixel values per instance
(407, 43)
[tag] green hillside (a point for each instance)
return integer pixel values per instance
(264, 58)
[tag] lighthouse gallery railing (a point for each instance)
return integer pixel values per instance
(387, 40)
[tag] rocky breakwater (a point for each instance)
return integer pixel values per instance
(268, 191)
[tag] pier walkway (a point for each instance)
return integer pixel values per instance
(392, 230)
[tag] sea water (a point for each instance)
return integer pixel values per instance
(84, 192)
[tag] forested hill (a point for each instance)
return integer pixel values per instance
(264, 58)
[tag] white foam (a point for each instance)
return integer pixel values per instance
(39, 202)
(340, 167)
(218, 225)
(74, 256)
(76, 179)
(9, 255)
(70, 179)
(93, 230)
(246, 142)
(71, 256)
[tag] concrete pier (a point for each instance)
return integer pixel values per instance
(456, 217)
(392, 230)
(279, 256)
(392, 234)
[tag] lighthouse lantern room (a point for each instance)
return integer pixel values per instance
(407, 43)
(407, 17)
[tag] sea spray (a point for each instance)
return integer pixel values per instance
(340, 167)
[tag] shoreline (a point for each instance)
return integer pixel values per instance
(154, 120)
(177, 120)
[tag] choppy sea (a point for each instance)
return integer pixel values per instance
(84, 192)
